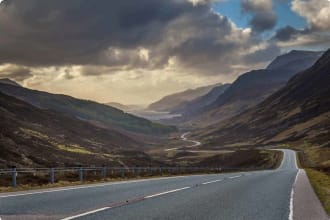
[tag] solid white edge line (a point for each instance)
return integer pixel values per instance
(214, 181)
(86, 213)
(291, 196)
(233, 177)
(87, 187)
(167, 192)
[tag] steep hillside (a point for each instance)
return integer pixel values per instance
(85, 110)
(253, 87)
(30, 136)
(300, 110)
(198, 104)
(174, 101)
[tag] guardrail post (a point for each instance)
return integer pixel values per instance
(81, 174)
(150, 171)
(104, 171)
(52, 175)
(122, 172)
(14, 176)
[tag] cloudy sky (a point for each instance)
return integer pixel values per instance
(135, 52)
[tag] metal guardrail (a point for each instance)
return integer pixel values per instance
(103, 172)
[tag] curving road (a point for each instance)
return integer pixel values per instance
(184, 138)
(248, 195)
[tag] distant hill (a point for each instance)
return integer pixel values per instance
(125, 108)
(300, 110)
(198, 104)
(171, 102)
(30, 136)
(253, 87)
(9, 82)
(85, 110)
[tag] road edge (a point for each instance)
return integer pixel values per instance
(306, 204)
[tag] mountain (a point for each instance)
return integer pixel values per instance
(253, 87)
(30, 136)
(174, 101)
(196, 105)
(86, 110)
(9, 82)
(125, 108)
(298, 111)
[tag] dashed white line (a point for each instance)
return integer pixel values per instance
(233, 177)
(167, 192)
(214, 181)
(87, 213)
(110, 207)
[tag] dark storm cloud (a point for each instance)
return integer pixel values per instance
(285, 33)
(16, 73)
(262, 16)
(254, 6)
(41, 32)
(114, 34)
(263, 21)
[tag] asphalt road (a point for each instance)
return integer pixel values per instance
(249, 195)
(183, 137)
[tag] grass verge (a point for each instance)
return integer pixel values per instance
(321, 184)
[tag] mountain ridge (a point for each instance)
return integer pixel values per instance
(85, 110)
(300, 110)
(253, 87)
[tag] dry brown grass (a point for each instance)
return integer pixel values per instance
(321, 184)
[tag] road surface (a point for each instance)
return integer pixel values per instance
(249, 195)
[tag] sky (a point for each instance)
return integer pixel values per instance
(135, 52)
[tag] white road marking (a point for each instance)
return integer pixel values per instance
(214, 181)
(233, 177)
(86, 213)
(291, 196)
(167, 192)
(109, 207)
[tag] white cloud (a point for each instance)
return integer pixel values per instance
(317, 12)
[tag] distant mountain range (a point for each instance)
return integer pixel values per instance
(125, 108)
(251, 88)
(200, 103)
(99, 114)
(176, 101)
(299, 110)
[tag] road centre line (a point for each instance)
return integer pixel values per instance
(167, 192)
(122, 203)
(87, 213)
(214, 181)
(233, 177)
